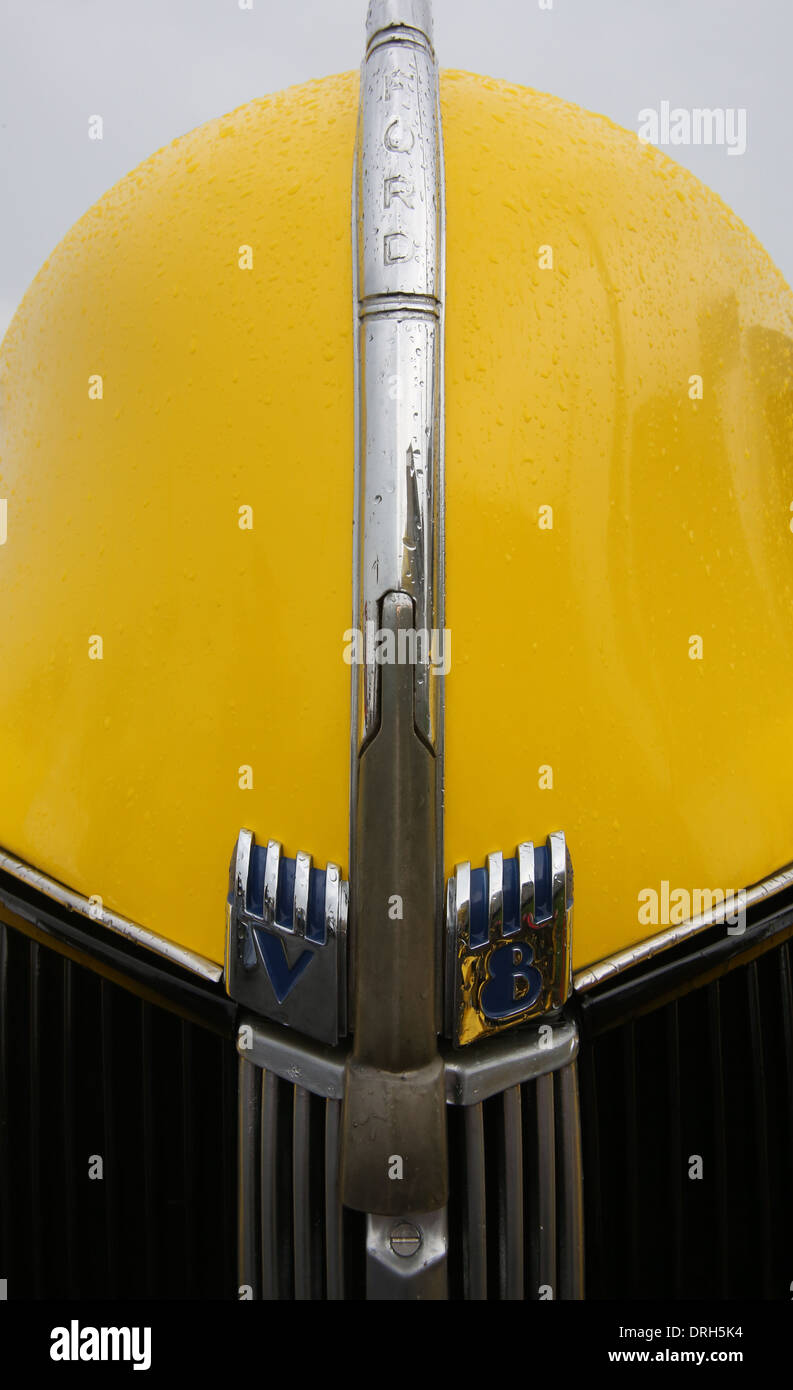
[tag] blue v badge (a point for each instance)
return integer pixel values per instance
(508, 930)
(286, 939)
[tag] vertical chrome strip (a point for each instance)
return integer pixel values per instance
(571, 1207)
(300, 899)
(545, 1234)
(525, 853)
(269, 1189)
(271, 866)
(248, 1121)
(495, 895)
(512, 1277)
(242, 867)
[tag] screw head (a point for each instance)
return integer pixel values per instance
(405, 1239)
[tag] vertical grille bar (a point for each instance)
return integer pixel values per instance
(719, 1138)
(248, 1138)
(34, 1101)
(475, 1218)
(571, 1211)
(676, 1154)
(110, 1179)
(786, 1000)
(68, 1104)
(147, 1135)
(188, 1149)
(269, 1153)
(757, 1052)
(546, 1186)
(5, 1182)
(334, 1223)
(301, 1193)
(512, 1215)
(632, 1153)
(591, 1131)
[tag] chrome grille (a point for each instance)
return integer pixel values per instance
(296, 1239)
(515, 1212)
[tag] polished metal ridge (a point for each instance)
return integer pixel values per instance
(469, 1078)
(113, 921)
(623, 960)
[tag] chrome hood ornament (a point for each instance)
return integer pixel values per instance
(394, 1096)
(393, 1139)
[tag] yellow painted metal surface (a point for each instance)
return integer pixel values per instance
(569, 388)
(223, 387)
(566, 388)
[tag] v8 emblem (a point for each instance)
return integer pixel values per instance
(286, 939)
(508, 940)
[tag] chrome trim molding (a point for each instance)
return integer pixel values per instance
(113, 921)
(316, 1068)
(504, 1062)
(615, 964)
(469, 1077)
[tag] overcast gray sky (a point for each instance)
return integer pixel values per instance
(154, 69)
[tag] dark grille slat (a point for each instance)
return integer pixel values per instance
(110, 1178)
(786, 1002)
(719, 1157)
(301, 1193)
(334, 1218)
(590, 1123)
(5, 1180)
(68, 1104)
(724, 1050)
(90, 1070)
(475, 1218)
(188, 1146)
(757, 1049)
(677, 1158)
(34, 1113)
(148, 1141)
(632, 1154)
